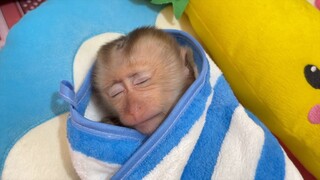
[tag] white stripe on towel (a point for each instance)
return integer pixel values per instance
(215, 72)
(172, 165)
(90, 168)
(241, 148)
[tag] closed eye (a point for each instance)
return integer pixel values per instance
(140, 80)
(115, 90)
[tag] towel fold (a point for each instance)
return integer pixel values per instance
(208, 135)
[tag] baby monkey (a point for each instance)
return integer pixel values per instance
(140, 77)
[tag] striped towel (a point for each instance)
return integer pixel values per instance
(208, 135)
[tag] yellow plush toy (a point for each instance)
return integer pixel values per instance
(269, 51)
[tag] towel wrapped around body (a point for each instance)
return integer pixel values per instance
(207, 135)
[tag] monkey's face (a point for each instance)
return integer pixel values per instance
(143, 88)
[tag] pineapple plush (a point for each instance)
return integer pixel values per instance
(269, 51)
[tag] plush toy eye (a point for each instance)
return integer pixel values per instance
(312, 74)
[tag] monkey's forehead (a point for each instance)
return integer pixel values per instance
(142, 57)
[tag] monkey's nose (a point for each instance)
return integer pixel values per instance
(135, 111)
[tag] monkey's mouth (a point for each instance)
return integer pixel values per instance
(150, 118)
(149, 124)
(314, 114)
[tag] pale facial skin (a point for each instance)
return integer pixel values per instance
(142, 86)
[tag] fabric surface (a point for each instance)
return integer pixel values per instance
(39, 52)
(269, 52)
(208, 134)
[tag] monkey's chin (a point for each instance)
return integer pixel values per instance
(149, 125)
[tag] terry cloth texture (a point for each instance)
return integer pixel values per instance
(207, 135)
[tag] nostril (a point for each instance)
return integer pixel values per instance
(134, 109)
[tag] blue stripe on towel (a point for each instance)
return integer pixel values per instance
(207, 149)
(99, 145)
(272, 163)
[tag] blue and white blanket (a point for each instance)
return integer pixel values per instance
(208, 135)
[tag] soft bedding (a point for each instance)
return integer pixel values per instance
(208, 134)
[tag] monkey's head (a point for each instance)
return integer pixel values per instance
(141, 76)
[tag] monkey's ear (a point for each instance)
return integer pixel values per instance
(187, 57)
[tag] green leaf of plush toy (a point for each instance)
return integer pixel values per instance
(178, 5)
(161, 1)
